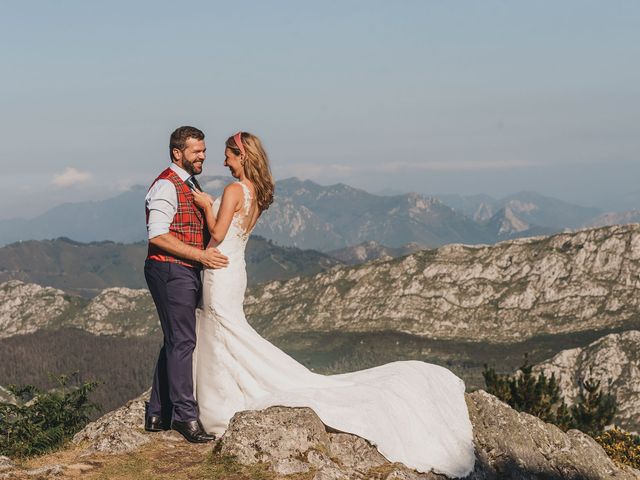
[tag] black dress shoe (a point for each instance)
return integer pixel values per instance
(154, 424)
(192, 431)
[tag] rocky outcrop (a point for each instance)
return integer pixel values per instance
(26, 307)
(511, 444)
(515, 290)
(119, 311)
(369, 251)
(510, 292)
(119, 431)
(6, 464)
(7, 397)
(614, 361)
(293, 440)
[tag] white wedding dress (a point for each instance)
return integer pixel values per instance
(413, 412)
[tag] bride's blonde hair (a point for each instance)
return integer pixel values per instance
(256, 166)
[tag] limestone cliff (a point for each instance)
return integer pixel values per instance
(27, 307)
(515, 290)
(614, 360)
(509, 292)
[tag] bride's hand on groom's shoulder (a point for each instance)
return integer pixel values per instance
(201, 199)
(212, 258)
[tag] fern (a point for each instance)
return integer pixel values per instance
(43, 421)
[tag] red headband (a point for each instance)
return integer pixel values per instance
(238, 139)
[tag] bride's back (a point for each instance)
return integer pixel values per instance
(242, 224)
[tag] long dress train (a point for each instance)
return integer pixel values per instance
(413, 412)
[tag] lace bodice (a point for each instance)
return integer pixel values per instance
(236, 239)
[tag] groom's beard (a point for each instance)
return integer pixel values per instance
(192, 168)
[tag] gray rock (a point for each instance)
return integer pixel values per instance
(47, 471)
(354, 452)
(508, 445)
(252, 438)
(404, 474)
(370, 250)
(614, 360)
(509, 292)
(6, 463)
(294, 440)
(333, 473)
(290, 466)
(517, 445)
(118, 311)
(117, 432)
(26, 307)
(7, 397)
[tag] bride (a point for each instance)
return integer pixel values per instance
(413, 412)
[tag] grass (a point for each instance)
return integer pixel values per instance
(161, 459)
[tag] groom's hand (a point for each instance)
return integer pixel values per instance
(212, 258)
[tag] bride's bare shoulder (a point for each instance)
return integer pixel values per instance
(233, 189)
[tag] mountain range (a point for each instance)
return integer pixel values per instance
(459, 306)
(530, 208)
(88, 268)
(511, 291)
(615, 218)
(312, 216)
(369, 251)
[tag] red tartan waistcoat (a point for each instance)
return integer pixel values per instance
(188, 224)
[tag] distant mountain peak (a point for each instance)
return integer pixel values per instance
(511, 223)
(483, 212)
(521, 206)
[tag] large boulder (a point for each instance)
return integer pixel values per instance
(119, 431)
(516, 445)
(509, 445)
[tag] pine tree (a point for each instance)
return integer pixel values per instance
(497, 384)
(594, 410)
(563, 419)
(526, 392)
(541, 396)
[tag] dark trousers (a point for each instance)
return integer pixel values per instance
(176, 290)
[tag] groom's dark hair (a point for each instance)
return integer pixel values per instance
(180, 136)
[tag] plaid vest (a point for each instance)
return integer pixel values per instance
(187, 225)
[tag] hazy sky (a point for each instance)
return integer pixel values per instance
(428, 96)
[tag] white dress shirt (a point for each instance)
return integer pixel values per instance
(162, 202)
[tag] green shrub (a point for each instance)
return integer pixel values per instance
(622, 446)
(43, 421)
(594, 410)
(541, 396)
(526, 392)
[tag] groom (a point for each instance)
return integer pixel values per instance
(177, 241)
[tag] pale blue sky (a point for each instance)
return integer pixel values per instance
(463, 97)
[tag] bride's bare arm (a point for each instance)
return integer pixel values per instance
(230, 203)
